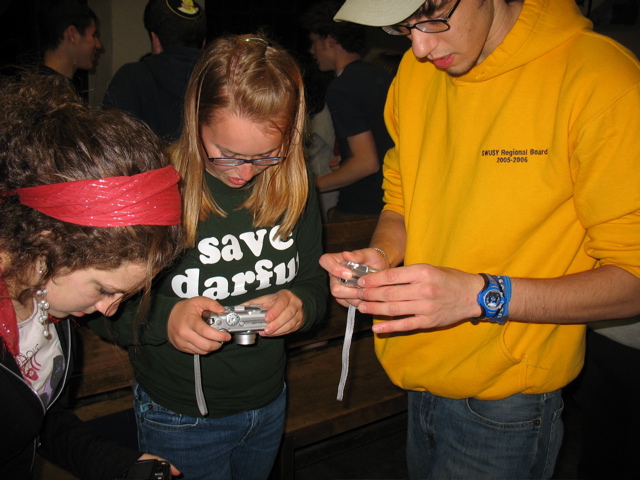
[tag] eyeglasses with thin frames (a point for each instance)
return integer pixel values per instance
(437, 25)
(236, 162)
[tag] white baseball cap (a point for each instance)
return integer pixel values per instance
(377, 13)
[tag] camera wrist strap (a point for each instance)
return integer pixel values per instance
(346, 346)
(202, 403)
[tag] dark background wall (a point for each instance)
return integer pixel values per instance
(279, 19)
(17, 29)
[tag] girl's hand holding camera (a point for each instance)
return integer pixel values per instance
(285, 314)
(189, 333)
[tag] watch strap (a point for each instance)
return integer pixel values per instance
(494, 285)
(505, 285)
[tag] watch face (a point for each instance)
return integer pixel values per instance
(493, 299)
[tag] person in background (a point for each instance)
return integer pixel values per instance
(356, 100)
(320, 141)
(90, 212)
(254, 232)
(511, 198)
(69, 38)
(153, 88)
(387, 60)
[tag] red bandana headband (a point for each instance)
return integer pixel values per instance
(149, 198)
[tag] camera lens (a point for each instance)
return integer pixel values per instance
(245, 338)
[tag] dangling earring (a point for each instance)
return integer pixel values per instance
(43, 309)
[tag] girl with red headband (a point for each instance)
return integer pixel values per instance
(90, 212)
(253, 225)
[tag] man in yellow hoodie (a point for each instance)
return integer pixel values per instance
(512, 202)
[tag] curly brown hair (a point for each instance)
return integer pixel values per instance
(47, 135)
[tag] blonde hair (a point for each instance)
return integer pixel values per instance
(253, 78)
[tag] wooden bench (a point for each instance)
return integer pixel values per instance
(313, 370)
(103, 367)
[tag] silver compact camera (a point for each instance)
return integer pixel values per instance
(358, 270)
(242, 321)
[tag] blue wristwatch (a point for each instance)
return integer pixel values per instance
(494, 299)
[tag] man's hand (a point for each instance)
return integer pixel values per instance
(332, 263)
(419, 297)
(334, 163)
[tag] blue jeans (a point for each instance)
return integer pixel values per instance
(514, 438)
(242, 446)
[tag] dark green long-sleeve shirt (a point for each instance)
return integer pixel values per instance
(233, 263)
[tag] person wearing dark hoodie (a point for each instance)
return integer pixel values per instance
(153, 88)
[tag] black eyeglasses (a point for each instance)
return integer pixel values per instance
(236, 162)
(436, 25)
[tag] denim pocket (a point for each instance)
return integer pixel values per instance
(520, 410)
(154, 415)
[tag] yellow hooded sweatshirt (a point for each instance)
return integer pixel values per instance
(528, 166)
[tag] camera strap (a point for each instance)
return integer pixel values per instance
(197, 372)
(346, 347)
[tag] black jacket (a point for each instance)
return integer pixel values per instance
(153, 89)
(56, 433)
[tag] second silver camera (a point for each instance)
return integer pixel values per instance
(357, 270)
